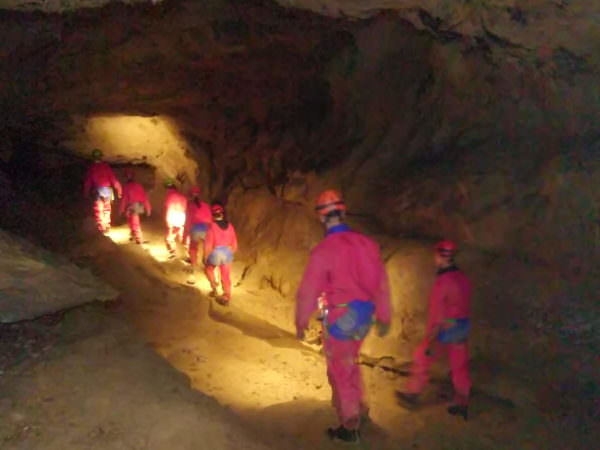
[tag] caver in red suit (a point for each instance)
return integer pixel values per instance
(100, 181)
(447, 331)
(345, 269)
(198, 219)
(175, 208)
(134, 202)
(219, 246)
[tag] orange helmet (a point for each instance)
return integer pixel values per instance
(217, 209)
(329, 201)
(446, 248)
(195, 190)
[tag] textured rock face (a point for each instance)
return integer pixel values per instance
(526, 27)
(430, 131)
(523, 27)
(35, 282)
(62, 6)
(469, 139)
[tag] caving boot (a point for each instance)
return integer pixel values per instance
(343, 434)
(459, 410)
(223, 300)
(407, 399)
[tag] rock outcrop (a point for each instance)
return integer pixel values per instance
(34, 282)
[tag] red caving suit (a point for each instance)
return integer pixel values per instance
(449, 300)
(100, 177)
(175, 207)
(219, 246)
(346, 266)
(134, 199)
(196, 215)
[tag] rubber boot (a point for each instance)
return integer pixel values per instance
(223, 300)
(343, 434)
(459, 410)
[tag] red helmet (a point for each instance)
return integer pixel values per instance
(217, 209)
(195, 190)
(329, 201)
(129, 173)
(446, 248)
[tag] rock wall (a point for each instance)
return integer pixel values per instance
(35, 282)
(429, 131)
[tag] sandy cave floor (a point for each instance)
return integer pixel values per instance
(92, 381)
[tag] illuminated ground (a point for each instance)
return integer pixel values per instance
(278, 384)
(101, 388)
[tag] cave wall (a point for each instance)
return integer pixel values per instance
(498, 153)
(427, 134)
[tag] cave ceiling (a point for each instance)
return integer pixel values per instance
(240, 74)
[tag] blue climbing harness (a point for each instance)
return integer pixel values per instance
(355, 323)
(456, 334)
(105, 193)
(198, 231)
(220, 256)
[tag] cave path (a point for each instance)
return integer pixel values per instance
(275, 383)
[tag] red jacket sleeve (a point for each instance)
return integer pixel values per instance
(147, 203)
(234, 242)
(124, 200)
(115, 182)
(312, 285)
(436, 304)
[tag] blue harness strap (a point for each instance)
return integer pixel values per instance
(105, 192)
(220, 256)
(456, 334)
(198, 231)
(355, 323)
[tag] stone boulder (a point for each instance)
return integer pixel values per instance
(34, 282)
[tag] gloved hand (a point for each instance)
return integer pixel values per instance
(382, 328)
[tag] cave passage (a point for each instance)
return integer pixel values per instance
(480, 131)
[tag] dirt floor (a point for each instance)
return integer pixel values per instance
(102, 376)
